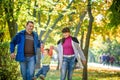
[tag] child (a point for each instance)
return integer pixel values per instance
(47, 54)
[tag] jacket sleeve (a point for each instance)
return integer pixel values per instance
(39, 42)
(81, 53)
(14, 42)
(79, 49)
(55, 48)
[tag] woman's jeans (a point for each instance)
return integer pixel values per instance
(28, 68)
(67, 67)
(43, 71)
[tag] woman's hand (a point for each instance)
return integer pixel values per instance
(51, 47)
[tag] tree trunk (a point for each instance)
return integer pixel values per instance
(85, 75)
(12, 25)
(12, 28)
(34, 10)
(82, 38)
(9, 16)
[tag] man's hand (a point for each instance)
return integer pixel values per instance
(12, 55)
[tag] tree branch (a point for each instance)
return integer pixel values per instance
(56, 21)
(79, 24)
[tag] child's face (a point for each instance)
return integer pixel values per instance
(45, 52)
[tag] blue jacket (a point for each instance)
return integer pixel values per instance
(19, 40)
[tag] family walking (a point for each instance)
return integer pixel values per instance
(68, 49)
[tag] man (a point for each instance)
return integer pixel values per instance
(27, 43)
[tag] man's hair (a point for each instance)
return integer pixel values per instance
(30, 22)
(66, 29)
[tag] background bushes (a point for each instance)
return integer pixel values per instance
(9, 69)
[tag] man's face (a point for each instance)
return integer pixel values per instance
(29, 27)
(66, 34)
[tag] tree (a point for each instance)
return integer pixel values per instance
(115, 15)
(48, 20)
(56, 21)
(12, 10)
(88, 39)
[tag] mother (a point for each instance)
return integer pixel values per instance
(69, 51)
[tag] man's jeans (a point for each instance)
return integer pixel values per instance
(67, 68)
(43, 71)
(28, 68)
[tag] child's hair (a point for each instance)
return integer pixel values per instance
(47, 50)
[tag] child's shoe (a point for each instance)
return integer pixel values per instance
(34, 78)
(42, 77)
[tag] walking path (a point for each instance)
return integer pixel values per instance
(101, 66)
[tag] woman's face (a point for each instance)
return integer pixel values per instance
(66, 34)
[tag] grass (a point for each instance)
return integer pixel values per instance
(93, 74)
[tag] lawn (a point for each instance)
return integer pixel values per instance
(93, 74)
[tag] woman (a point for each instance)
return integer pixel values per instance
(69, 51)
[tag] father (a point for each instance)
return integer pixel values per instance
(27, 43)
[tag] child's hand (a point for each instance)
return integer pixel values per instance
(42, 48)
(51, 50)
(42, 45)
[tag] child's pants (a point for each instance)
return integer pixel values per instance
(43, 71)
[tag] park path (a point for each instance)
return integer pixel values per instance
(103, 67)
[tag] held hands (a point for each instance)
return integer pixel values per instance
(12, 55)
(51, 47)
